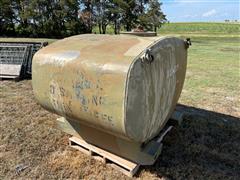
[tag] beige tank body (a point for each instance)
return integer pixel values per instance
(105, 82)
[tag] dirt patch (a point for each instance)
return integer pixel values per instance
(206, 146)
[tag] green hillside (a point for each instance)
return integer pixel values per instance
(200, 28)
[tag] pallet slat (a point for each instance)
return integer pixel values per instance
(125, 166)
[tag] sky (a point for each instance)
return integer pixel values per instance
(201, 10)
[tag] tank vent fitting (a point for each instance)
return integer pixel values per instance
(147, 57)
(188, 43)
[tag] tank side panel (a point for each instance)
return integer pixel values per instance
(80, 80)
(153, 89)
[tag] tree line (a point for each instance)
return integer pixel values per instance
(61, 18)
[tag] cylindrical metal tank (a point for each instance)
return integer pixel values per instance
(122, 85)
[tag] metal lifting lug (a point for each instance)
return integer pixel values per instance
(188, 43)
(147, 57)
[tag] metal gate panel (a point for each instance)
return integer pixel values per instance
(12, 59)
(15, 56)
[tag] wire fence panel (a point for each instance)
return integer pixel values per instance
(12, 54)
(19, 53)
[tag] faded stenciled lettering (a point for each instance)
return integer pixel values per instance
(81, 85)
(68, 106)
(84, 108)
(56, 89)
(87, 93)
(62, 91)
(98, 115)
(104, 117)
(97, 100)
(60, 99)
(83, 100)
(84, 84)
(52, 89)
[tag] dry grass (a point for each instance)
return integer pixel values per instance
(206, 146)
(28, 137)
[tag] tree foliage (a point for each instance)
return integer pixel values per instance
(60, 18)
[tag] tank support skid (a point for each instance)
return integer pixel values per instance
(124, 155)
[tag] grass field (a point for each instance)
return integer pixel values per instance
(201, 28)
(206, 146)
(213, 78)
(193, 29)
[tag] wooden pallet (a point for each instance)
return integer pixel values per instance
(125, 166)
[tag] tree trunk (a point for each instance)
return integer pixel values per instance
(100, 28)
(155, 28)
(104, 27)
(89, 9)
(141, 7)
(128, 27)
(115, 27)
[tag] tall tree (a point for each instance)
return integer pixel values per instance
(6, 18)
(155, 15)
(44, 18)
(116, 17)
(86, 14)
(142, 5)
(130, 12)
(60, 18)
(102, 14)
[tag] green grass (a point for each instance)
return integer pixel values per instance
(213, 77)
(213, 71)
(110, 30)
(200, 28)
(194, 29)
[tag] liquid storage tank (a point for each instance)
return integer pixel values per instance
(117, 92)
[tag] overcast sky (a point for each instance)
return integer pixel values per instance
(201, 10)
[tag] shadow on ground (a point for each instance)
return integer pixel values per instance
(205, 146)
